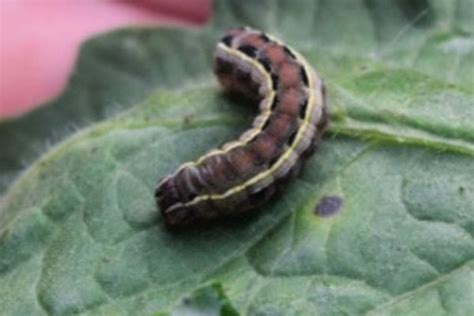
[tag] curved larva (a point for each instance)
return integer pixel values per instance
(245, 173)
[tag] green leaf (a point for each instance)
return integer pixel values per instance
(207, 301)
(79, 230)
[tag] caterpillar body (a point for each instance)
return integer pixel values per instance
(243, 174)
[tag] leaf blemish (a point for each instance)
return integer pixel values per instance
(188, 119)
(328, 206)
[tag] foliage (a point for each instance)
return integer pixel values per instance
(79, 231)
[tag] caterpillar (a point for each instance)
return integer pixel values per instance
(243, 174)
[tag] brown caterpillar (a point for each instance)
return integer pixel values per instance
(243, 174)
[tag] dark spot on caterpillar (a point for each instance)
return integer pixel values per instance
(167, 194)
(243, 76)
(256, 196)
(227, 40)
(190, 196)
(253, 138)
(273, 161)
(248, 50)
(265, 125)
(461, 190)
(260, 196)
(328, 206)
(304, 76)
(265, 62)
(274, 103)
(259, 161)
(274, 81)
(303, 107)
(292, 137)
(180, 215)
(289, 52)
(264, 37)
(223, 66)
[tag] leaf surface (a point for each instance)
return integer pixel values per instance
(79, 231)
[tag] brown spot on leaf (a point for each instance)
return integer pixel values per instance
(328, 206)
